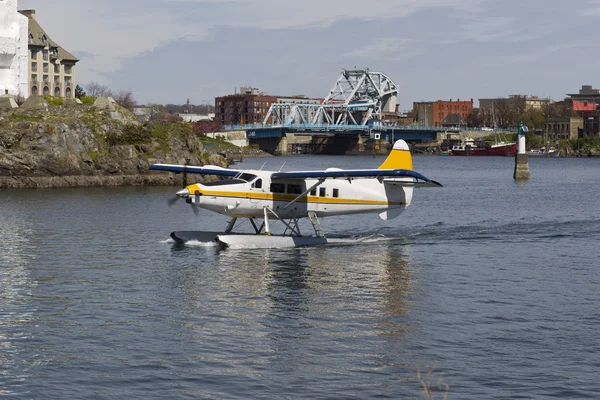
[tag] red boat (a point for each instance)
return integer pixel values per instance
(469, 148)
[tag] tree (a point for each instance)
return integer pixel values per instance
(533, 119)
(125, 99)
(474, 119)
(97, 90)
(79, 93)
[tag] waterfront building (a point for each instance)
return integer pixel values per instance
(558, 128)
(13, 50)
(515, 101)
(535, 102)
(51, 67)
(197, 117)
(442, 113)
(586, 95)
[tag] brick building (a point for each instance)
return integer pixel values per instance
(442, 113)
(247, 107)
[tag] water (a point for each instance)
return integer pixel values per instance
(488, 286)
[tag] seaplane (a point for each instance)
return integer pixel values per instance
(264, 197)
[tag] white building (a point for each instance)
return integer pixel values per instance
(197, 117)
(14, 54)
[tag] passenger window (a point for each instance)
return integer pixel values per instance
(257, 184)
(278, 187)
(336, 193)
(313, 192)
(294, 189)
(322, 192)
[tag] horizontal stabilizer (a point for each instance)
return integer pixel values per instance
(190, 169)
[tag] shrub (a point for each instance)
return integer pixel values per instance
(54, 101)
(88, 99)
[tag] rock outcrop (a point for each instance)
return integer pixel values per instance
(44, 146)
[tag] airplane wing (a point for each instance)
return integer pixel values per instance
(190, 169)
(380, 174)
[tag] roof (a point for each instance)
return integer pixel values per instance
(36, 38)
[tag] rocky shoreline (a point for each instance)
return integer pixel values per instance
(79, 145)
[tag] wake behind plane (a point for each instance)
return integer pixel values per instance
(264, 197)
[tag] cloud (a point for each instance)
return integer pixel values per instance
(391, 48)
(592, 9)
(109, 32)
(275, 14)
(431, 48)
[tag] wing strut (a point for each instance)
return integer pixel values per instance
(307, 191)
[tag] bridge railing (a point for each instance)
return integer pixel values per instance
(360, 128)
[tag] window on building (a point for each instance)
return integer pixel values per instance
(57, 92)
(45, 55)
(45, 78)
(34, 90)
(68, 93)
(33, 77)
(56, 78)
(34, 53)
(57, 68)
(33, 66)
(46, 69)
(46, 91)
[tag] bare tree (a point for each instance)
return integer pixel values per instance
(97, 90)
(125, 99)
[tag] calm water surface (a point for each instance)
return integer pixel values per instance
(488, 286)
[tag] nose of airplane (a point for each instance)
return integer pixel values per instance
(183, 193)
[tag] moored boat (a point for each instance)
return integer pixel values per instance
(469, 148)
(543, 152)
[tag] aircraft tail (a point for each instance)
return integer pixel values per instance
(399, 158)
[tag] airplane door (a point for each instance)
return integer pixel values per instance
(256, 187)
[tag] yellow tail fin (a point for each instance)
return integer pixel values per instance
(399, 158)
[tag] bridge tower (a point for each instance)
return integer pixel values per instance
(356, 97)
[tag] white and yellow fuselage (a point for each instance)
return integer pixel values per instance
(250, 191)
(242, 199)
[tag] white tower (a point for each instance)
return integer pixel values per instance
(14, 60)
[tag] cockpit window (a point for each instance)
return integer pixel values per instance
(245, 177)
(257, 184)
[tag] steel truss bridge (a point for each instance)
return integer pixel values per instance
(356, 97)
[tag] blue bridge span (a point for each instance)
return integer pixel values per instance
(409, 133)
(336, 138)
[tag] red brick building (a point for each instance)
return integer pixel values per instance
(247, 107)
(442, 113)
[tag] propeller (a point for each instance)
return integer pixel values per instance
(185, 193)
(196, 201)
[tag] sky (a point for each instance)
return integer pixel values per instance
(166, 51)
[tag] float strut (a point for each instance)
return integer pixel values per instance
(267, 227)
